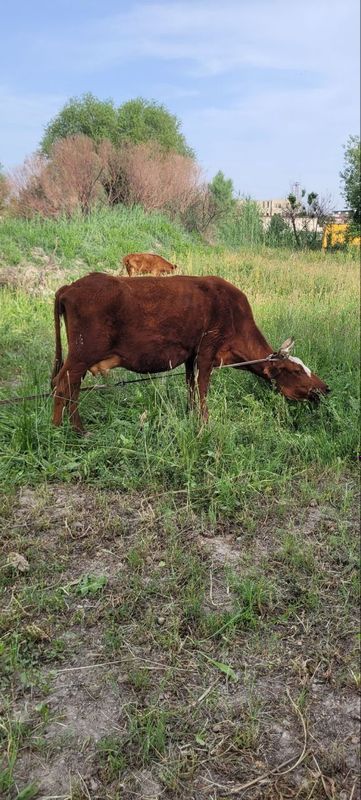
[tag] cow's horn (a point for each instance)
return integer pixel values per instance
(287, 346)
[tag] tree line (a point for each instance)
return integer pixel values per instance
(93, 153)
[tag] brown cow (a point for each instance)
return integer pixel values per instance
(150, 326)
(147, 263)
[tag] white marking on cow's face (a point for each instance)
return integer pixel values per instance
(298, 361)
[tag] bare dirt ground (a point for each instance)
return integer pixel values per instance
(147, 655)
(39, 276)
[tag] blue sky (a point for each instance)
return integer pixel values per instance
(267, 90)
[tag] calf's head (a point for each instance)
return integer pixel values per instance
(292, 378)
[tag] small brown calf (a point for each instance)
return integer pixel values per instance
(147, 264)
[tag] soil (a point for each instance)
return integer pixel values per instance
(88, 694)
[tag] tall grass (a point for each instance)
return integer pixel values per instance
(256, 448)
(242, 226)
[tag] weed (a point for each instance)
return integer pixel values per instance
(12, 734)
(147, 733)
(112, 757)
(139, 679)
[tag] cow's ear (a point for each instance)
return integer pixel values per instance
(287, 346)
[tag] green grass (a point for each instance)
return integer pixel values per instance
(205, 568)
(100, 240)
(257, 448)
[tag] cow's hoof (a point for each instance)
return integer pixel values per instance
(84, 434)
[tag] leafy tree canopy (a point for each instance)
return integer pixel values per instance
(135, 121)
(222, 190)
(88, 115)
(142, 120)
(351, 177)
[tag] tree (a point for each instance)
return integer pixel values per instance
(215, 205)
(222, 191)
(141, 121)
(86, 115)
(300, 210)
(351, 177)
(136, 122)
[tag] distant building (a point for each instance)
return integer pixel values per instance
(270, 207)
(340, 217)
(278, 206)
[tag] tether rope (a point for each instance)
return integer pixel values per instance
(150, 377)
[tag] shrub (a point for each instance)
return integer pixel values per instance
(78, 175)
(279, 233)
(4, 190)
(65, 183)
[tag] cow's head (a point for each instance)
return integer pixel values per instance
(292, 378)
(174, 266)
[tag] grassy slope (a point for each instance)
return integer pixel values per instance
(99, 240)
(201, 627)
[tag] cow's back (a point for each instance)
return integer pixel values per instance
(190, 303)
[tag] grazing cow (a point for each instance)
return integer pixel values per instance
(150, 326)
(147, 263)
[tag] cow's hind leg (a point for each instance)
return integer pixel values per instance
(190, 366)
(204, 374)
(66, 393)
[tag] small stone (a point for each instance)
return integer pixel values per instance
(18, 561)
(217, 727)
(160, 620)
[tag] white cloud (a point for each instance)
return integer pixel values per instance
(217, 37)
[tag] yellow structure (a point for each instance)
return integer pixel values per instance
(336, 233)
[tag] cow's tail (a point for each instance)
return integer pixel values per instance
(58, 311)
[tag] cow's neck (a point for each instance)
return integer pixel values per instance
(253, 346)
